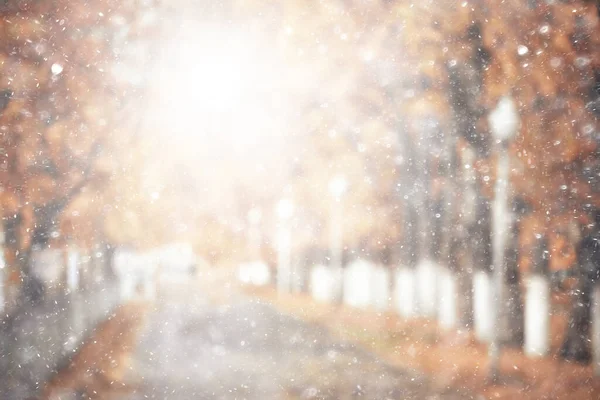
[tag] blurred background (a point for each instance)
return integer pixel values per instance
(427, 169)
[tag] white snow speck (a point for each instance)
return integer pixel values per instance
(522, 50)
(56, 69)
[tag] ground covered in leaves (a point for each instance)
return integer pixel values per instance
(451, 359)
(98, 368)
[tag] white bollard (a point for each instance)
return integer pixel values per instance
(357, 284)
(298, 277)
(244, 273)
(427, 271)
(97, 263)
(447, 312)
(596, 329)
(48, 266)
(149, 288)
(148, 271)
(323, 284)
(127, 289)
(537, 316)
(261, 274)
(482, 306)
(380, 288)
(404, 292)
(77, 314)
(72, 270)
(123, 263)
(84, 271)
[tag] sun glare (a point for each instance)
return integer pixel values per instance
(212, 81)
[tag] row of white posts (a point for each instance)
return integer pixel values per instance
(139, 272)
(61, 269)
(429, 290)
(537, 312)
(57, 269)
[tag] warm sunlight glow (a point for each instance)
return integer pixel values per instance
(211, 80)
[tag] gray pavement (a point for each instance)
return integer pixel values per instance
(35, 341)
(191, 349)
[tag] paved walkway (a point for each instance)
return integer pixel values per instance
(191, 349)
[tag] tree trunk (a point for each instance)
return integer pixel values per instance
(426, 267)
(464, 258)
(32, 289)
(450, 297)
(405, 280)
(576, 346)
(408, 248)
(464, 243)
(481, 251)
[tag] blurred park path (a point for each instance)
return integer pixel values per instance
(193, 347)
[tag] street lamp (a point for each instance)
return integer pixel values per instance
(337, 187)
(504, 124)
(284, 211)
(2, 273)
(254, 236)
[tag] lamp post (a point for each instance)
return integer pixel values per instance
(2, 274)
(504, 124)
(337, 188)
(254, 235)
(284, 210)
(72, 269)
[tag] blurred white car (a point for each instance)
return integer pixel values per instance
(136, 272)
(254, 273)
(177, 261)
